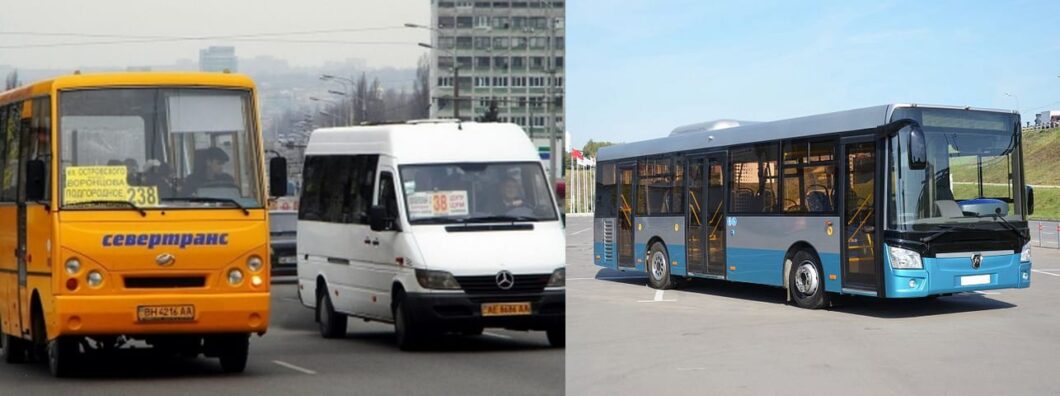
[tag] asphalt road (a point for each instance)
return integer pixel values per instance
(712, 337)
(292, 359)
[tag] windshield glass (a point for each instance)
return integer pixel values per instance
(153, 147)
(971, 172)
(456, 193)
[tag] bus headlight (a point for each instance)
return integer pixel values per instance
(436, 280)
(73, 266)
(254, 263)
(95, 279)
(1025, 255)
(235, 277)
(904, 258)
(558, 279)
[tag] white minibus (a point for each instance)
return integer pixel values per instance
(434, 226)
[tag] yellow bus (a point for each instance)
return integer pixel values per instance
(133, 209)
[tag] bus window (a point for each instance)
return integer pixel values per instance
(809, 177)
(656, 187)
(605, 191)
(754, 178)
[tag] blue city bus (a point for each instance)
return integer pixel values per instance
(892, 201)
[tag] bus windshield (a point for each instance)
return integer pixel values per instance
(971, 173)
(158, 147)
(476, 192)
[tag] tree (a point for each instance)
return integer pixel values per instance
(420, 102)
(12, 80)
(590, 148)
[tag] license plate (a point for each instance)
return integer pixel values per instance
(288, 260)
(506, 309)
(156, 313)
(975, 280)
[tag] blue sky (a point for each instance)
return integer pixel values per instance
(638, 68)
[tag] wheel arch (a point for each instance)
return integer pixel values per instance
(792, 250)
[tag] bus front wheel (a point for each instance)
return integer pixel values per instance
(407, 333)
(658, 264)
(233, 353)
(62, 355)
(332, 324)
(805, 281)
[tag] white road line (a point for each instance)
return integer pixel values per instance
(1047, 273)
(989, 293)
(496, 335)
(658, 298)
(295, 368)
(580, 231)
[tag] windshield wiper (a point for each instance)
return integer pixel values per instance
(946, 229)
(143, 213)
(210, 199)
(487, 219)
(997, 216)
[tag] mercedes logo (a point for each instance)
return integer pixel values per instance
(977, 260)
(164, 259)
(505, 280)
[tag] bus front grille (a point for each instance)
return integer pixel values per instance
(169, 282)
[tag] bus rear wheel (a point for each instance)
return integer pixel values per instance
(806, 281)
(658, 263)
(14, 348)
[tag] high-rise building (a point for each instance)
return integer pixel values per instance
(510, 53)
(218, 59)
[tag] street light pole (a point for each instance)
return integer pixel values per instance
(456, 78)
(347, 85)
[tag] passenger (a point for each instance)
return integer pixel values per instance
(512, 202)
(208, 171)
(160, 175)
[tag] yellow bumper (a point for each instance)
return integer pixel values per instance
(117, 315)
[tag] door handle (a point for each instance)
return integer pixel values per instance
(367, 241)
(375, 242)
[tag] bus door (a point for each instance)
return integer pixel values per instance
(625, 215)
(705, 221)
(860, 242)
(715, 214)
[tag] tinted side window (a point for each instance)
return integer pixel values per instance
(809, 176)
(40, 139)
(605, 190)
(360, 188)
(336, 181)
(654, 187)
(11, 132)
(310, 206)
(387, 194)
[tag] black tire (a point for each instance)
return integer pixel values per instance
(657, 263)
(234, 354)
(806, 281)
(14, 348)
(557, 337)
(473, 331)
(63, 353)
(407, 333)
(332, 324)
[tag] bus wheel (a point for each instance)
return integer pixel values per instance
(408, 335)
(62, 355)
(557, 336)
(659, 267)
(14, 348)
(805, 281)
(234, 353)
(332, 324)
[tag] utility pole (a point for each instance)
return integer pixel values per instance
(456, 88)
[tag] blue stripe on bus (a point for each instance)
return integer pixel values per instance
(830, 265)
(761, 266)
(676, 253)
(598, 251)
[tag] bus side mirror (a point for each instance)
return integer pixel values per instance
(278, 177)
(1030, 200)
(379, 220)
(35, 180)
(917, 148)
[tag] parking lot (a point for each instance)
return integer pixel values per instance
(292, 359)
(713, 337)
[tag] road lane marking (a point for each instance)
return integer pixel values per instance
(658, 298)
(295, 368)
(580, 231)
(1047, 273)
(496, 335)
(989, 293)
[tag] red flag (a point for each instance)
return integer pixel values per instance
(575, 154)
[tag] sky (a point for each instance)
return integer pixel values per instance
(211, 18)
(638, 68)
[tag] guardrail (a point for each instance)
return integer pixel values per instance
(1045, 233)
